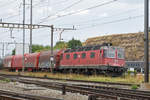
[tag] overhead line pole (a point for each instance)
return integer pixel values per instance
(146, 41)
(23, 64)
(30, 50)
(52, 55)
(3, 50)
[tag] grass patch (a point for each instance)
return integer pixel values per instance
(134, 87)
(5, 80)
(135, 79)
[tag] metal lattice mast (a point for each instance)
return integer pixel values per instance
(23, 65)
(30, 50)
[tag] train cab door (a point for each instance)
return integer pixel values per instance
(79, 58)
(101, 53)
(57, 62)
(116, 57)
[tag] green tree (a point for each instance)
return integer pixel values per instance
(38, 48)
(13, 52)
(60, 45)
(35, 48)
(74, 43)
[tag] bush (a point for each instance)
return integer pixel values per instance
(134, 87)
(134, 72)
(7, 80)
(129, 72)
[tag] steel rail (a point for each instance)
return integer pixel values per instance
(7, 95)
(89, 89)
(71, 80)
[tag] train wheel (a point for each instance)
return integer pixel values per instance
(70, 71)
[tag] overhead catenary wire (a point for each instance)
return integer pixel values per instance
(78, 11)
(57, 3)
(108, 22)
(70, 6)
(14, 15)
(98, 19)
(7, 3)
(111, 22)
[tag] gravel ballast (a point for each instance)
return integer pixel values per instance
(40, 91)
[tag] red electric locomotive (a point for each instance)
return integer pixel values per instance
(93, 59)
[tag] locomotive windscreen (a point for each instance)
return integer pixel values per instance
(120, 53)
(109, 52)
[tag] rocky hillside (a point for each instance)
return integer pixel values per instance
(132, 42)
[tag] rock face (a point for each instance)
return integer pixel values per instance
(133, 43)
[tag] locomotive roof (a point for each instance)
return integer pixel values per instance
(87, 48)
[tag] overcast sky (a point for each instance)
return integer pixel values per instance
(91, 18)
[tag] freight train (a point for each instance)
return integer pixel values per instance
(97, 59)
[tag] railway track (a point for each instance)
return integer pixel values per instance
(92, 91)
(71, 80)
(7, 95)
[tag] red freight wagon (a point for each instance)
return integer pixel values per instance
(31, 61)
(17, 62)
(44, 60)
(7, 62)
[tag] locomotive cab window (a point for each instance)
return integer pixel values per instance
(109, 53)
(120, 53)
(105, 53)
(75, 56)
(92, 55)
(67, 56)
(83, 55)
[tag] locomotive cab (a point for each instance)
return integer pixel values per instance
(113, 58)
